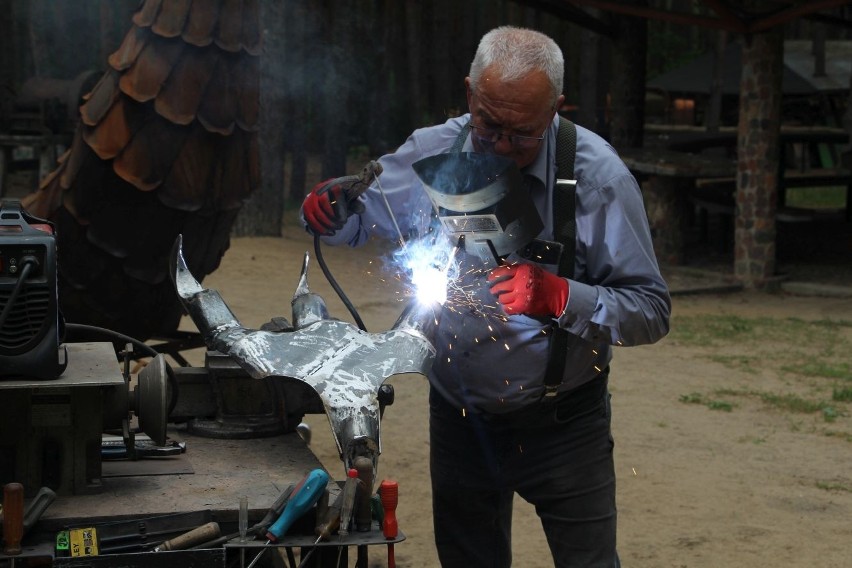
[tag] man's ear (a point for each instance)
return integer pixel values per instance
(560, 100)
(468, 91)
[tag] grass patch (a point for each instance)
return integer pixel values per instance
(742, 362)
(828, 197)
(795, 404)
(829, 486)
(819, 368)
(710, 329)
(717, 330)
(752, 440)
(845, 436)
(790, 345)
(842, 395)
(793, 350)
(789, 403)
(698, 398)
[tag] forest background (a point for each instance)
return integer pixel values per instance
(344, 78)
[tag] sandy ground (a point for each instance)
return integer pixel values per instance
(696, 487)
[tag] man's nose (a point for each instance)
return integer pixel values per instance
(503, 144)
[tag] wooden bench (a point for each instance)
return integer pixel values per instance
(716, 196)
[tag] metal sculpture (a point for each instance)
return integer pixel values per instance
(345, 365)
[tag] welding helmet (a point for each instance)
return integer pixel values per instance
(481, 201)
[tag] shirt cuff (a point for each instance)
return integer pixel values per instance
(582, 299)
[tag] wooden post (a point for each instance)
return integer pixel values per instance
(758, 155)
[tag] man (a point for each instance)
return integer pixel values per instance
(493, 430)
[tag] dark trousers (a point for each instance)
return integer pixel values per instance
(557, 456)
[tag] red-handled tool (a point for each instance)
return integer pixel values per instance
(389, 494)
(347, 508)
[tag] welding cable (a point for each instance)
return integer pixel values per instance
(335, 285)
(88, 331)
(327, 272)
(27, 264)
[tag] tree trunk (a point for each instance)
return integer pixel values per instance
(591, 92)
(627, 86)
(40, 44)
(758, 157)
(413, 72)
(846, 152)
(381, 90)
(7, 56)
(336, 93)
(714, 110)
(440, 58)
(262, 214)
(302, 59)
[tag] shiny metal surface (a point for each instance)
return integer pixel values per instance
(343, 364)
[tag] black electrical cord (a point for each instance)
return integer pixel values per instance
(113, 335)
(335, 285)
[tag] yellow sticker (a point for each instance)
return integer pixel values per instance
(84, 542)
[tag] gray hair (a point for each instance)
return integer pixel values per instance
(516, 52)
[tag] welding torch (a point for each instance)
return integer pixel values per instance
(353, 186)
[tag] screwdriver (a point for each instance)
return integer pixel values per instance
(326, 525)
(363, 512)
(350, 488)
(259, 528)
(306, 493)
(197, 535)
(389, 492)
(274, 511)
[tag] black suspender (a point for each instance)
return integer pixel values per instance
(565, 232)
(564, 196)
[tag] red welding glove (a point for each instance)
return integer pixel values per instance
(330, 202)
(325, 208)
(529, 289)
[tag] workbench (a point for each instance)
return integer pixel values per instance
(204, 483)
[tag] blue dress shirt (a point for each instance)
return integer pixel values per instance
(487, 362)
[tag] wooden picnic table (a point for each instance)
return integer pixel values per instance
(669, 177)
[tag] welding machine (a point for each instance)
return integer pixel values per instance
(30, 323)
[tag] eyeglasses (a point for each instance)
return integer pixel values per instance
(488, 138)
